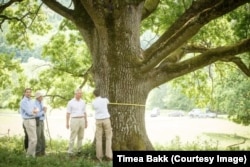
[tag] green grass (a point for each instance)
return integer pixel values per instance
(231, 141)
(199, 144)
(215, 142)
(12, 155)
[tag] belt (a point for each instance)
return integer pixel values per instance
(103, 118)
(78, 117)
(28, 118)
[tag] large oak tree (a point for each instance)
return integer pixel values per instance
(124, 72)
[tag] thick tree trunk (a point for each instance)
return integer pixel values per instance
(127, 95)
(127, 111)
(117, 78)
(128, 118)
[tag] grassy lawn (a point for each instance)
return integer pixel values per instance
(12, 155)
(164, 132)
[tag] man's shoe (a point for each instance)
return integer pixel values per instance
(70, 154)
(109, 159)
(40, 154)
(79, 153)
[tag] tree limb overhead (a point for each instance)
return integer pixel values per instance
(170, 71)
(59, 8)
(149, 7)
(200, 13)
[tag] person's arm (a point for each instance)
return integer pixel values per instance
(44, 109)
(67, 120)
(29, 110)
(39, 112)
(68, 111)
(86, 120)
(85, 116)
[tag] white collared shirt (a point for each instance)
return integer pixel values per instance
(100, 106)
(76, 108)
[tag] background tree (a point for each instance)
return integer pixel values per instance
(170, 97)
(123, 71)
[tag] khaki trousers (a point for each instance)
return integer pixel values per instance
(77, 126)
(30, 126)
(103, 125)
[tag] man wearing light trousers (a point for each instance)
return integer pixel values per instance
(103, 125)
(76, 120)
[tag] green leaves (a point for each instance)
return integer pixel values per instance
(10, 77)
(8, 67)
(68, 54)
(165, 15)
(240, 20)
(231, 97)
(26, 17)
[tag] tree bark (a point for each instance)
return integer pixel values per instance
(128, 119)
(117, 80)
(116, 75)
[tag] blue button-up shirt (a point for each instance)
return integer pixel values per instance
(27, 106)
(40, 113)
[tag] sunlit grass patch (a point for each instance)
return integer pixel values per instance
(213, 142)
(178, 145)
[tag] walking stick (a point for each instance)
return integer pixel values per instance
(48, 130)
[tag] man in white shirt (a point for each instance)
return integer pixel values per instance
(77, 116)
(103, 124)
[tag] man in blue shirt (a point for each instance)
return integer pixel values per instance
(28, 113)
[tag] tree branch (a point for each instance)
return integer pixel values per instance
(36, 14)
(3, 17)
(93, 9)
(77, 14)
(5, 5)
(241, 65)
(59, 8)
(195, 49)
(19, 19)
(54, 96)
(200, 13)
(86, 76)
(168, 72)
(149, 7)
(174, 57)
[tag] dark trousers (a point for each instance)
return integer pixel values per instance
(40, 147)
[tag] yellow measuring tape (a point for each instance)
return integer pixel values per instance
(128, 104)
